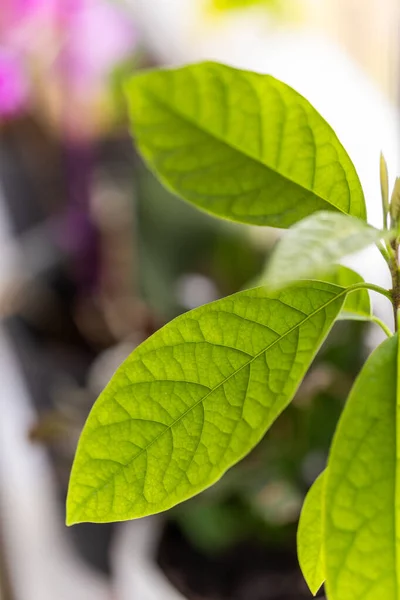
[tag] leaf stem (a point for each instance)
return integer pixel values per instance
(380, 290)
(382, 325)
(370, 286)
(383, 249)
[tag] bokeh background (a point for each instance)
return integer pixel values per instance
(95, 256)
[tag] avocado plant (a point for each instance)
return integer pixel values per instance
(200, 393)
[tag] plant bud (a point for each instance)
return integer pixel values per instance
(395, 201)
(384, 185)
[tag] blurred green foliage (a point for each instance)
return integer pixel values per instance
(235, 4)
(176, 239)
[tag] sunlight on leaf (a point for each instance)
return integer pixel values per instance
(362, 487)
(195, 398)
(241, 145)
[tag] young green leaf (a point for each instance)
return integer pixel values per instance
(311, 247)
(362, 494)
(241, 145)
(195, 398)
(384, 178)
(358, 304)
(310, 547)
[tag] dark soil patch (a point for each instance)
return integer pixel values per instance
(248, 571)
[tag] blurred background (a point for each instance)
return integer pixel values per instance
(95, 256)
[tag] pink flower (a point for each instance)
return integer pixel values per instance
(100, 36)
(16, 16)
(14, 86)
(74, 43)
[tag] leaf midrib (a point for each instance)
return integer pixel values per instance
(232, 146)
(204, 398)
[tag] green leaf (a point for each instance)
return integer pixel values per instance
(358, 304)
(362, 495)
(311, 247)
(195, 398)
(241, 145)
(310, 548)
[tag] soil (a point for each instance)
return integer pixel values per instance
(248, 571)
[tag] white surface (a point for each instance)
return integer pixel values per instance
(135, 573)
(42, 565)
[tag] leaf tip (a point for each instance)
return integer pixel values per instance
(70, 518)
(313, 584)
(314, 589)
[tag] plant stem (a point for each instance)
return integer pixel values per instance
(390, 253)
(382, 325)
(384, 251)
(395, 273)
